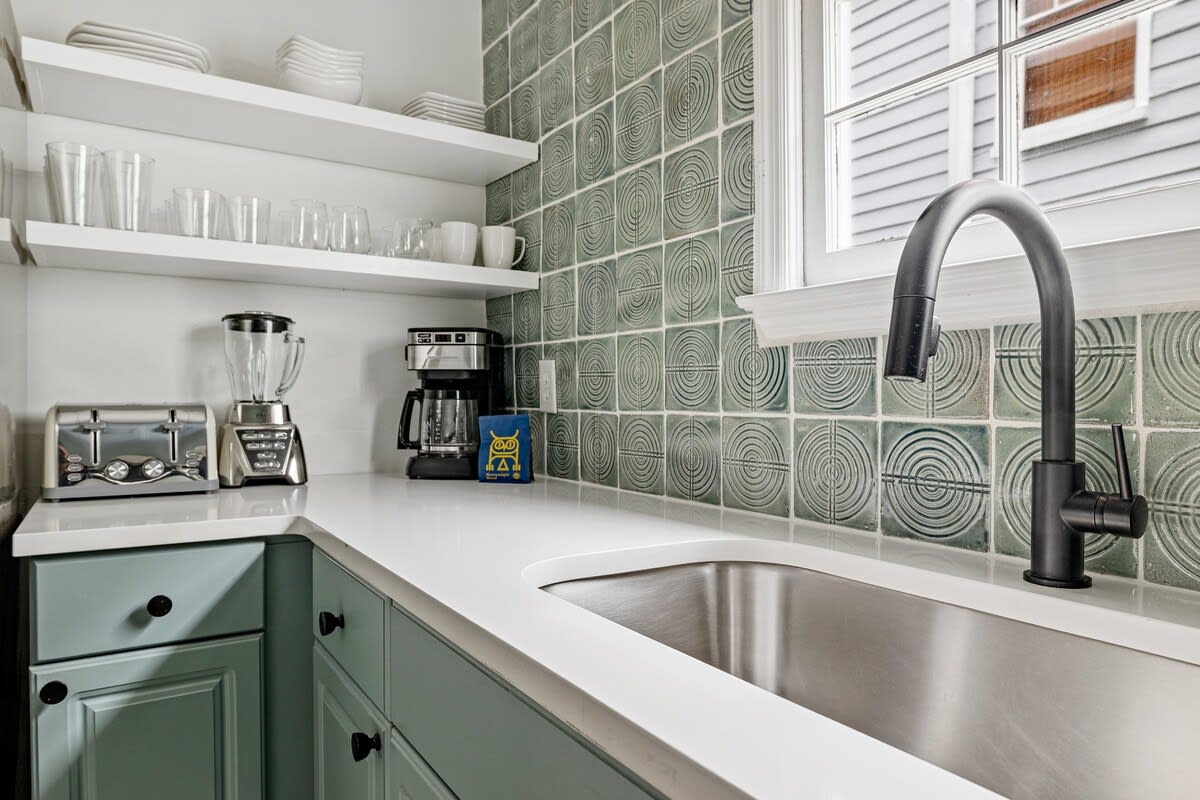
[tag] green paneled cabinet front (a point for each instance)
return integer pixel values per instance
(342, 714)
(181, 722)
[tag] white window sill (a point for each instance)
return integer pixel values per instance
(1158, 272)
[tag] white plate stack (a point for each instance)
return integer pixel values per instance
(309, 67)
(444, 108)
(143, 45)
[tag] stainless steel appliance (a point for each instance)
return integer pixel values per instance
(121, 450)
(259, 441)
(460, 370)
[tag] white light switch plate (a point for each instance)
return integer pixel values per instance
(547, 396)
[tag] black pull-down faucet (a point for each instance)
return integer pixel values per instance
(1063, 511)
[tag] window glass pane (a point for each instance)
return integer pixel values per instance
(879, 44)
(1114, 111)
(892, 161)
(1036, 15)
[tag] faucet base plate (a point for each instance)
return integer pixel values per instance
(1055, 583)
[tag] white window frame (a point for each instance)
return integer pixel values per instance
(803, 291)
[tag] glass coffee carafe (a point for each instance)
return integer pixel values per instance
(449, 422)
(263, 355)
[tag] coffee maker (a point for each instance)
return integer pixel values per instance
(259, 441)
(460, 370)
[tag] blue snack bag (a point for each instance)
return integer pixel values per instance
(505, 454)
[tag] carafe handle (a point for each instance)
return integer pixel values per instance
(410, 401)
(295, 360)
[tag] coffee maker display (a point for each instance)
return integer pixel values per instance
(259, 441)
(460, 370)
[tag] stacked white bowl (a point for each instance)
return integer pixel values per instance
(316, 69)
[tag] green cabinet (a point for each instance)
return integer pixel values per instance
(180, 722)
(350, 736)
(409, 777)
(349, 620)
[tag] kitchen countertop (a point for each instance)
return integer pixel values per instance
(468, 558)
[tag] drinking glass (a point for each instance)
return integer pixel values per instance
(310, 225)
(382, 243)
(199, 213)
(250, 219)
(127, 181)
(74, 173)
(412, 238)
(350, 231)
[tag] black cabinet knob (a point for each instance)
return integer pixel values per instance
(159, 606)
(53, 693)
(328, 622)
(361, 745)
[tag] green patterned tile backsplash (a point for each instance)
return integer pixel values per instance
(640, 217)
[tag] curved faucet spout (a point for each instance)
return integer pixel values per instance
(913, 328)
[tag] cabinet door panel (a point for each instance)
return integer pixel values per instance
(409, 777)
(342, 710)
(178, 722)
(356, 644)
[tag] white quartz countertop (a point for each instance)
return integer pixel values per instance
(468, 559)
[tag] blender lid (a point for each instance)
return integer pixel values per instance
(257, 322)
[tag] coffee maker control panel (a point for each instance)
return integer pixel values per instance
(266, 449)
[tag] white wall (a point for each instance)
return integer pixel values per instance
(411, 46)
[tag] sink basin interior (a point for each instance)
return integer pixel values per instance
(1025, 711)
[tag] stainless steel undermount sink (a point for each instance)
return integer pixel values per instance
(1025, 711)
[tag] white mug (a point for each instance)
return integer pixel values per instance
(460, 240)
(498, 243)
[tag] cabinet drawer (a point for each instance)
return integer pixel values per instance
(480, 737)
(356, 622)
(101, 603)
(346, 769)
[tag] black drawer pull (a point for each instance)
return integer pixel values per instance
(159, 606)
(328, 622)
(361, 745)
(53, 693)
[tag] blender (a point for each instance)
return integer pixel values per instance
(259, 441)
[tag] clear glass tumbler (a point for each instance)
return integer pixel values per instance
(309, 225)
(249, 218)
(350, 232)
(412, 238)
(199, 213)
(127, 181)
(74, 172)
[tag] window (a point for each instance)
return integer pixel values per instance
(1090, 106)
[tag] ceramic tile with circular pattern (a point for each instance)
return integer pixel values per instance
(753, 378)
(526, 111)
(495, 20)
(1172, 543)
(1105, 352)
(594, 146)
(530, 228)
(956, 384)
(639, 206)
(737, 172)
(495, 119)
(737, 265)
(500, 317)
(594, 70)
(555, 22)
(495, 72)
(558, 165)
(556, 91)
(636, 47)
(694, 458)
(558, 305)
(638, 124)
(756, 471)
(508, 379)
(598, 448)
(527, 189)
(691, 278)
(1016, 449)
(640, 456)
(596, 304)
(527, 375)
(690, 187)
(692, 365)
(589, 14)
(597, 374)
(562, 445)
(640, 290)
(537, 440)
(834, 377)
(527, 317)
(835, 473)
(499, 201)
(1171, 369)
(594, 223)
(640, 371)
(690, 97)
(737, 73)
(687, 23)
(558, 235)
(524, 56)
(518, 7)
(734, 11)
(936, 483)
(565, 356)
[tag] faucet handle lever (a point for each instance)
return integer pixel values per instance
(1124, 482)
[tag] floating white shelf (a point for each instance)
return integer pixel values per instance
(77, 247)
(101, 87)
(10, 243)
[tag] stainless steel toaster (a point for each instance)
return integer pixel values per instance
(122, 450)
